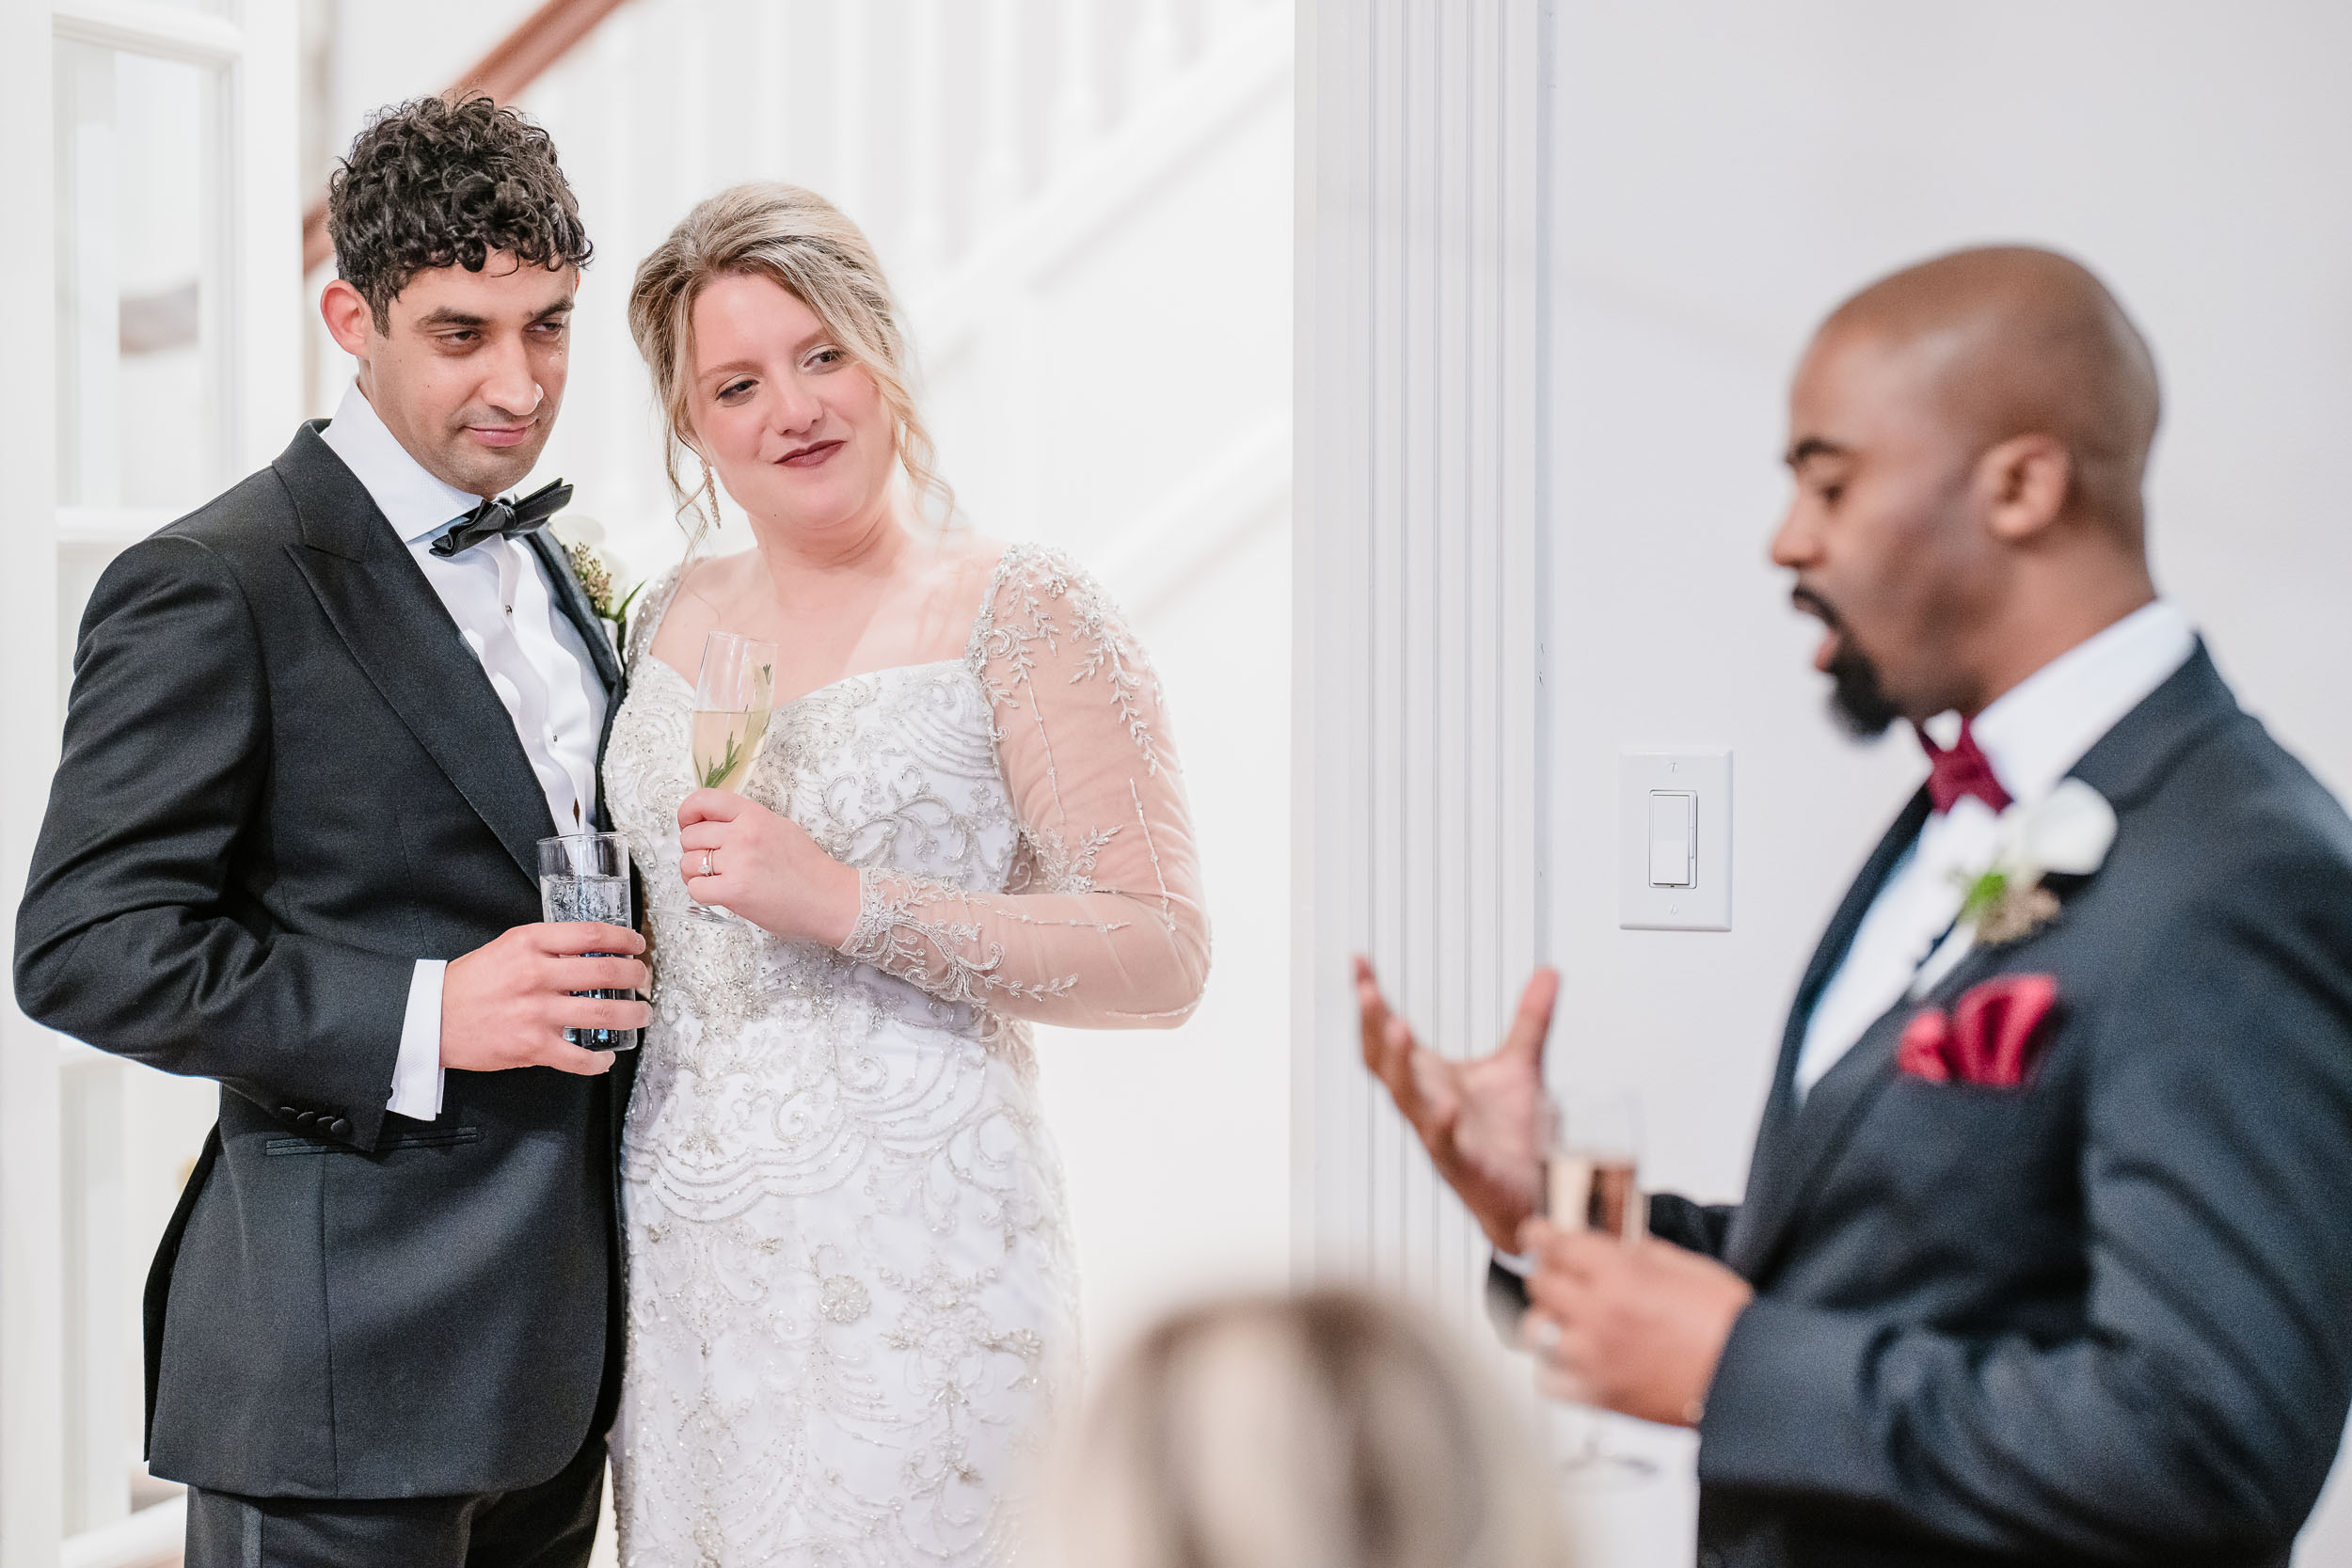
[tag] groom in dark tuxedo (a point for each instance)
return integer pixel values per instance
(2045, 1256)
(316, 729)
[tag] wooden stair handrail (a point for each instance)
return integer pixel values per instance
(516, 61)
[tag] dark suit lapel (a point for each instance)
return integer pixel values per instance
(2131, 759)
(1787, 1142)
(1797, 1143)
(401, 635)
(573, 600)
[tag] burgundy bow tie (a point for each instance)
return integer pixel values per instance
(1961, 770)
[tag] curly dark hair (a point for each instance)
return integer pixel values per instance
(433, 184)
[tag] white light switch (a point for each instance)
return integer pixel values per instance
(1672, 814)
(1673, 832)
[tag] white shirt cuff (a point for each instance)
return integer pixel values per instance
(417, 1075)
(1521, 1263)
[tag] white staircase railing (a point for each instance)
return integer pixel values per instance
(982, 144)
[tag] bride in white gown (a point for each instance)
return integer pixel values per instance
(852, 1303)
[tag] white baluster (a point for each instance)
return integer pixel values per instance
(99, 1291)
(1221, 19)
(1001, 186)
(808, 73)
(926, 138)
(687, 37)
(93, 414)
(854, 112)
(1078, 103)
(770, 26)
(1154, 50)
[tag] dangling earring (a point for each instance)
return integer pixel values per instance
(708, 497)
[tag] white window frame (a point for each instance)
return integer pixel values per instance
(257, 310)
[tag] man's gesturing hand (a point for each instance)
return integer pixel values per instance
(1479, 1120)
(506, 1004)
(1637, 1328)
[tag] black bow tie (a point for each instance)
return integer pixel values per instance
(498, 519)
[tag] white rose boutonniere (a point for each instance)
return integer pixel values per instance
(2067, 831)
(599, 571)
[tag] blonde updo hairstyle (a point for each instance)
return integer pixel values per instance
(807, 247)
(1331, 1430)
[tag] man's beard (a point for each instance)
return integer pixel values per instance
(1857, 698)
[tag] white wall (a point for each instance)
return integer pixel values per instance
(1723, 173)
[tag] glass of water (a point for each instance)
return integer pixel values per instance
(585, 877)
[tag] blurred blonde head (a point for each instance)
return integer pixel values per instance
(806, 246)
(1325, 1430)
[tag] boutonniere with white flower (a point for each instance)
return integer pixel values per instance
(600, 572)
(2067, 833)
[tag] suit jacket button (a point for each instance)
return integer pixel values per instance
(341, 1128)
(305, 1117)
(290, 1113)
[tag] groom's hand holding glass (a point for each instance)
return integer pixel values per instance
(507, 1003)
(1637, 1328)
(740, 855)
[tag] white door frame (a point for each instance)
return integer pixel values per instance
(257, 305)
(1417, 833)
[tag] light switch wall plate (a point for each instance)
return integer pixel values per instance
(1674, 841)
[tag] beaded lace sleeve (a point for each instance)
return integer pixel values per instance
(1101, 924)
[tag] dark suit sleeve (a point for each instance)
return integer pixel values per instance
(135, 934)
(1699, 1227)
(2194, 1417)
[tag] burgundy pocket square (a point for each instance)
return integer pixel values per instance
(1993, 1037)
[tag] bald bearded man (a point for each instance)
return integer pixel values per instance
(2046, 1253)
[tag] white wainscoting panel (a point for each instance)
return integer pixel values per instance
(1419, 565)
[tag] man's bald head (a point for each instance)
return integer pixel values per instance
(1968, 438)
(2013, 340)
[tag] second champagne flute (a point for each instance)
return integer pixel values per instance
(1592, 1162)
(1592, 1166)
(734, 697)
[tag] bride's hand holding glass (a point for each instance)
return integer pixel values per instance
(765, 868)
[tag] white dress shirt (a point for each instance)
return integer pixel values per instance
(2031, 735)
(499, 594)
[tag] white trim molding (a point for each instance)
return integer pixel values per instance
(69, 1422)
(1420, 560)
(32, 1298)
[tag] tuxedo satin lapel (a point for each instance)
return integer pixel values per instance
(1786, 1126)
(401, 635)
(573, 600)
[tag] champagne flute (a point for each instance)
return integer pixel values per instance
(1592, 1158)
(1591, 1162)
(734, 698)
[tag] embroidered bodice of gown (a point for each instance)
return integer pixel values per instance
(851, 1305)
